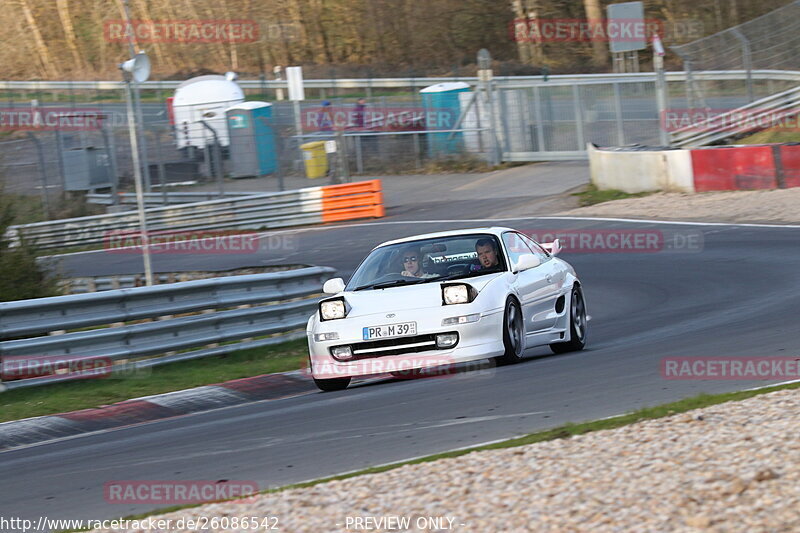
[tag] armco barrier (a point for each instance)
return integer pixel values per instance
(313, 205)
(720, 168)
(231, 310)
(156, 199)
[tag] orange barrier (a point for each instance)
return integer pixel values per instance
(350, 201)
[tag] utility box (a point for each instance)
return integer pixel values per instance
(86, 169)
(252, 139)
(443, 108)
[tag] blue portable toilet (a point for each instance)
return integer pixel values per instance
(252, 139)
(443, 107)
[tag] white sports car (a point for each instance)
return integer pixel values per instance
(445, 298)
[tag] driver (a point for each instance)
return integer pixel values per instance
(487, 254)
(412, 264)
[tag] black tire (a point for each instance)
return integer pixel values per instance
(331, 385)
(513, 334)
(577, 324)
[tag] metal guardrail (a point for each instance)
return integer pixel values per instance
(313, 205)
(386, 83)
(232, 309)
(123, 281)
(758, 115)
(157, 198)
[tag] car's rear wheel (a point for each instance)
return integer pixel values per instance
(577, 325)
(513, 334)
(330, 385)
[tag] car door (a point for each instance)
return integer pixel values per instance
(535, 286)
(555, 273)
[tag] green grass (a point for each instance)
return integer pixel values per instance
(772, 135)
(62, 397)
(562, 432)
(592, 195)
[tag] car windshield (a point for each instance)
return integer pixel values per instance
(427, 260)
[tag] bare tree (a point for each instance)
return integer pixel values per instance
(595, 15)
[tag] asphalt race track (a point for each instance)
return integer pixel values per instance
(736, 296)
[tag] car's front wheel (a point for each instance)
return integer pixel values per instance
(330, 385)
(577, 325)
(513, 334)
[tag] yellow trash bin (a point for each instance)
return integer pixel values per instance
(315, 159)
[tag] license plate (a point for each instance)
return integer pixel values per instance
(390, 330)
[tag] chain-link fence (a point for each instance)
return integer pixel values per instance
(459, 128)
(771, 41)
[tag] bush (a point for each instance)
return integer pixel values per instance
(21, 275)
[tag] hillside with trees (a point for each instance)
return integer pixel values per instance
(68, 39)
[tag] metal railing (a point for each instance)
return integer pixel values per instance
(243, 312)
(313, 205)
(753, 117)
(400, 83)
(157, 198)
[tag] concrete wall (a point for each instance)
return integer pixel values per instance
(640, 171)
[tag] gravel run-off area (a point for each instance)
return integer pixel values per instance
(732, 467)
(768, 206)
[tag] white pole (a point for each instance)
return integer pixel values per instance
(137, 179)
(661, 89)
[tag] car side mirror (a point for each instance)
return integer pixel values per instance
(526, 262)
(333, 286)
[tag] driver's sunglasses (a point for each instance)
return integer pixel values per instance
(410, 258)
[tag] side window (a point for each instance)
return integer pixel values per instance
(515, 246)
(538, 250)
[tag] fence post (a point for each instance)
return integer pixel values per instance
(42, 174)
(111, 150)
(618, 115)
(60, 159)
(577, 108)
(747, 63)
(162, 175)
(539, 119)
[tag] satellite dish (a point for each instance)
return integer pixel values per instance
(138, 67)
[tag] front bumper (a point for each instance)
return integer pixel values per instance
(476, 340)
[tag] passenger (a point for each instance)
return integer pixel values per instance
(412, 264)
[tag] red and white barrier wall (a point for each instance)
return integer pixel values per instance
(722, 168)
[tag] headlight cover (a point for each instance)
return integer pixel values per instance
(333, 309)
(458, 293)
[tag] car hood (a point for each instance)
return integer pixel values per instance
(408, 297)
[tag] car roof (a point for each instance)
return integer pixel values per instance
(494, 230)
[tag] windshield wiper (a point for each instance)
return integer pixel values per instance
(472, 274)
(387, 284)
